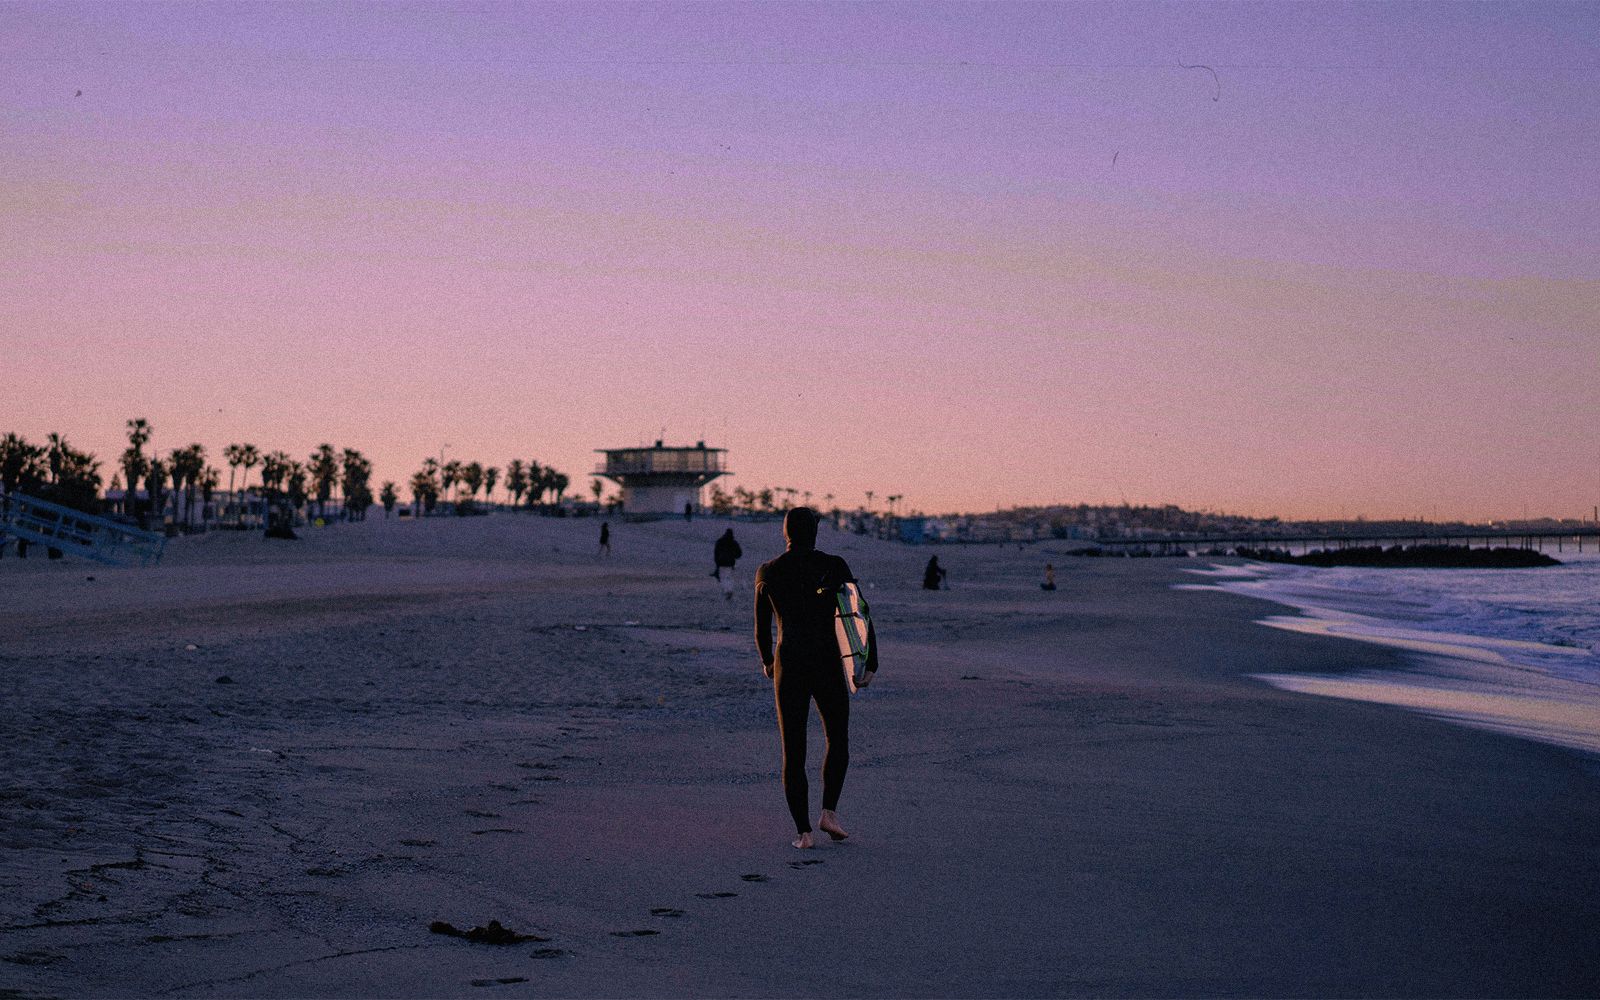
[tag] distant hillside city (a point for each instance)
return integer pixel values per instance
(1087, 522)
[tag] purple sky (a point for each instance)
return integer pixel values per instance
(973, 254)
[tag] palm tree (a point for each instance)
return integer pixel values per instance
(134, 464)
(869, 500)
(471, 476)
(210, 479)
(294, 480)
(535, 482)
(186, 465)
(274, 466)
(323, 467)
(424, 489)
(356, 484)
(516, 481)
(450, 475)
(596, 487)
(387, 496)
(232, 454)
(559, 482)
(249, 457)
(491, 475)
(21, 464)
(547, 481)
(55, 452)
(155, 482)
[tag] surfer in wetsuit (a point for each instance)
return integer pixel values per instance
(799, 589)
(605, 538)
(933, 576)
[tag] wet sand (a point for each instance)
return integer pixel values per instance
(1078, 793)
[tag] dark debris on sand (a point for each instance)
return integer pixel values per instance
(492, 933)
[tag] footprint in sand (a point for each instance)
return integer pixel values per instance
(549, 953)
(716, 895)
(754, 878)
(418, 842)
(481, 814)
(665, 911)
(638, 933)
(797, 865)
(503, 981)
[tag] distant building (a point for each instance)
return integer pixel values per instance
(661, 480)
(913, 530)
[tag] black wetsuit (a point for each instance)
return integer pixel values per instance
(805, 668)
(726, 553)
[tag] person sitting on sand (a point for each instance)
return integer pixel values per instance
(1049, 578)
(933, 576)
(605, 538)
(724, 555)
(797, 589)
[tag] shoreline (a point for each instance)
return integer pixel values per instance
(1079, 793)
(1500, 684)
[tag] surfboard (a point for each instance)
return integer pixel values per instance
(853, 628)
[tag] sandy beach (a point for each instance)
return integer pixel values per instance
(265, 768)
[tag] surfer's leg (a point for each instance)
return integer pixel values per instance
(793, 698)
(833, 704)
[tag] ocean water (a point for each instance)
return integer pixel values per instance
(1516, 650)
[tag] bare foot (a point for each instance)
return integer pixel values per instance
(804, 841)
(830, 825)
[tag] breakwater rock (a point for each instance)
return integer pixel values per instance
(1408, 557)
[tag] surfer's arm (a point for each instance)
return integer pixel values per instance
(763, 622)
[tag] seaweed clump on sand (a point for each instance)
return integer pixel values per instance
(492, 933)
(1408, 557)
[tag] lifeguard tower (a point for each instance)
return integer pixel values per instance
(660, 481)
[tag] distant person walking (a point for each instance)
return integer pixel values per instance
(605, 538)
(688, 512)
(1049, 578)
(797, 589)
(724, 555)
(933, 576)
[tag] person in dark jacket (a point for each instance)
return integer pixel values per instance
(724, 555)
(798, 590)
(933, 576)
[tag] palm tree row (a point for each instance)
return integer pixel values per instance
(768, 500)
(326, 484)
(55, 471)
(435, 482)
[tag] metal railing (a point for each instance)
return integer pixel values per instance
(54, 526)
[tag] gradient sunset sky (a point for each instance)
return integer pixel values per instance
(1296, 259)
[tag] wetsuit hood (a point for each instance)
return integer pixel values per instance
(800, 528)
